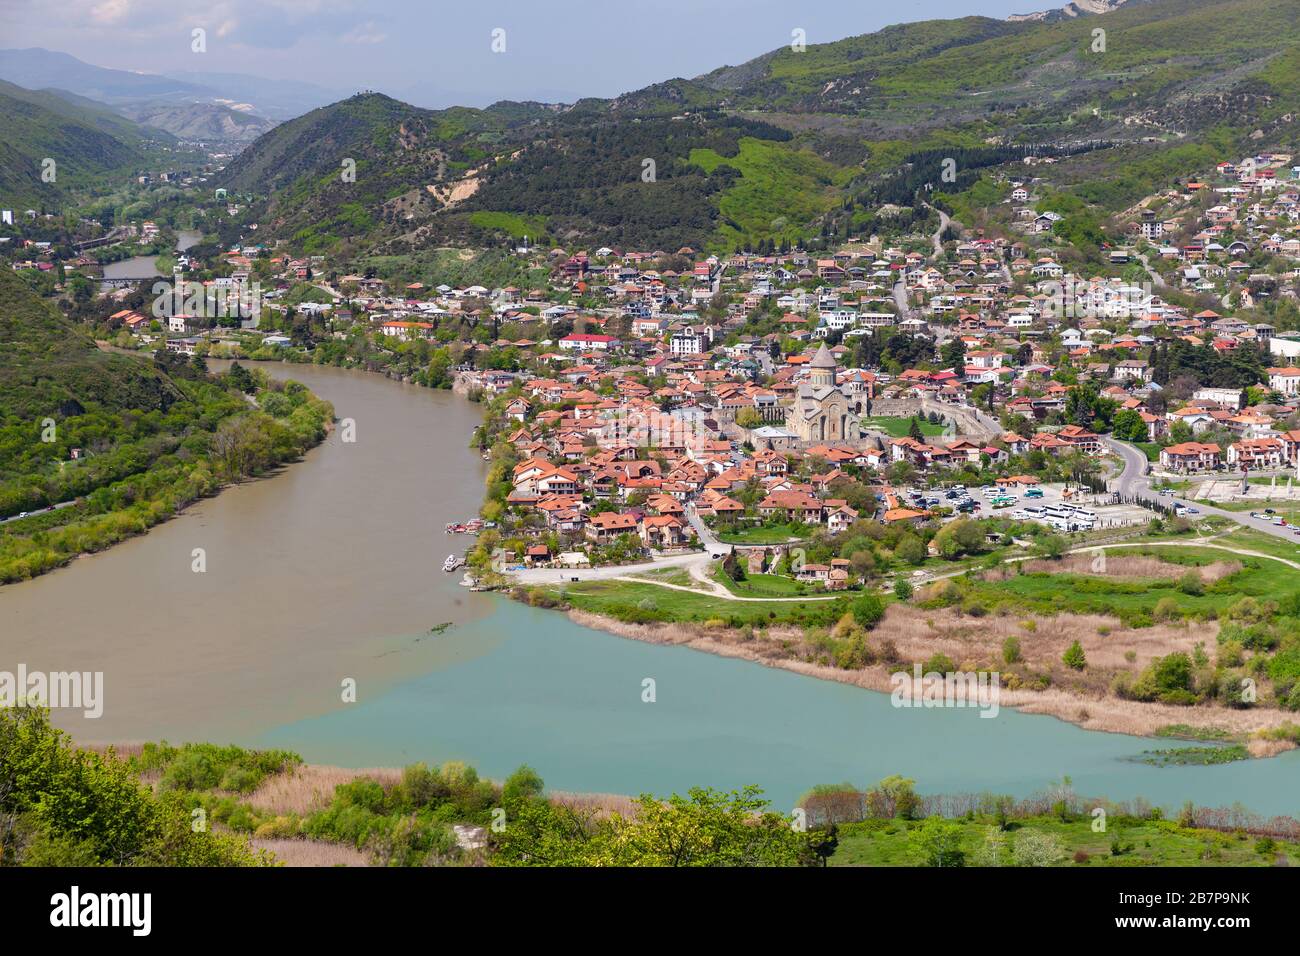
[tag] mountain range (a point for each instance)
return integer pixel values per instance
(799, 141)
(203, 107)
(1128, 96)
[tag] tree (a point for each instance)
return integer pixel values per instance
(903, 589)
(937, 842)
(910, 549)
(1129, 426)
(993, 851)
(704, 828)
(1036, 848)
(748, 418)
(241, 378)
(953, 353)
(1051, 546)
(1073, 657)
(868, 609)
(66, 806)
(914, 430)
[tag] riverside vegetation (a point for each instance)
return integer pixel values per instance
(206, 805)
(97, 447)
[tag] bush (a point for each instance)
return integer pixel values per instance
(868, 609)
(1191, 584)
(1166, 609)
(1073, 657)
(939, 664)
(1011, 650)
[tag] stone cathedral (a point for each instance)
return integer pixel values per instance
(821, 411)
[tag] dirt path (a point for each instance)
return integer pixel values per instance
(714, 589)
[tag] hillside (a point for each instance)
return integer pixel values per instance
(85, 141)
(199, 122)
(49, 367)
(785, 145)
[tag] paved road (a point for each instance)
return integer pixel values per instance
(40, 511)
(710, 540)
(1134, 482)
(944, 220)
(566, 575)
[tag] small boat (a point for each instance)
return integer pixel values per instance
(451, 564)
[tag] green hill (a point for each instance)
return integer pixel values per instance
(88, 143)
(49, 367)
(787, 144)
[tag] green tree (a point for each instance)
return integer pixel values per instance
(1129, 426)
(1073, 657)
(937, 842)
(868, 609)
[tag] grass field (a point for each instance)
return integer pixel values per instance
(762, 585)
(899, 426)
(515, 226)
(648, 603)
(767, 534)
(1131, 597)
(1141, 842)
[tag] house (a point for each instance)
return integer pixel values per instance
(1285, 381)
(608, 525)
(797, 504)
(839, 516)
(663, 532)
(1190, 457)
(406, 331)
(1132, 370)
(584, 342)
(1258, 453)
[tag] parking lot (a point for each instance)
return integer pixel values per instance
(979, 503)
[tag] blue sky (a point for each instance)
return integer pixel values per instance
(435, 53)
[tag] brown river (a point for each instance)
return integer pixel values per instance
(330, 569)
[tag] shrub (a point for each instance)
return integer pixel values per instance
(868, 609)
(939, 664)
(1191, 584)
(1166, 609)
(1011, 650)
(1073, 657)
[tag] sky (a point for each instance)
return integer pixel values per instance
(435, 53)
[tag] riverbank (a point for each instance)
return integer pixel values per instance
(221, 433)
(905, 630)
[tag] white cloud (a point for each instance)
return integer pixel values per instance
(110, 11)
(365, 33)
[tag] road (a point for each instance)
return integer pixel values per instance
(944, 220)
(1133, 482)
(710, 540)
(1156, 281)
(40, 511)
(567, 575)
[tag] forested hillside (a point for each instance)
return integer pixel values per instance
(788, 145)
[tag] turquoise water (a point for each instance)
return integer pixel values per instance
(524, 685)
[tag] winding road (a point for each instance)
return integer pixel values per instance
(1134, 482)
